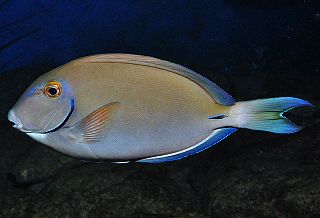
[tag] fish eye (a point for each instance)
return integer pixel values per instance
(53, 89)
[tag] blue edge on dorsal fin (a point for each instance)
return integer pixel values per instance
(215, 137)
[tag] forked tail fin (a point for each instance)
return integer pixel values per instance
(266, 114)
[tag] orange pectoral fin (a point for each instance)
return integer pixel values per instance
(93, 126)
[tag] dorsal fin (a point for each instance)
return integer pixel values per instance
(218, 94)
(215, 137)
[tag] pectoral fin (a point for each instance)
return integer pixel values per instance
(93, 126)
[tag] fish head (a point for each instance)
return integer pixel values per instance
(44, 107)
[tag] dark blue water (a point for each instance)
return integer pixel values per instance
(206, 33)
(253, 49)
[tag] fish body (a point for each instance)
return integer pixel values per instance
(130, 107)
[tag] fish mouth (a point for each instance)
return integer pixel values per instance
(20, 128)
(16, 122)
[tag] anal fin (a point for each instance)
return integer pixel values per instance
(215, 137)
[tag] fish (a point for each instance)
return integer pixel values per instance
(124, 108)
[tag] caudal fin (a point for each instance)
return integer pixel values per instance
(267, 114)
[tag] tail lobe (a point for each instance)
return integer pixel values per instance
(266, 114)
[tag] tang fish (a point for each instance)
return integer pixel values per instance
(126, 107)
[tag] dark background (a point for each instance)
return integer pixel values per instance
(252, 49)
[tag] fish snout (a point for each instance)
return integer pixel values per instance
(14, 119)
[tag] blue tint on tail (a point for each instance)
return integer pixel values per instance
(282, 104)
(268, 114)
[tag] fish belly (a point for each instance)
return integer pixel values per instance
(160, 112)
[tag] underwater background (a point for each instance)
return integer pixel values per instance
(250, 48)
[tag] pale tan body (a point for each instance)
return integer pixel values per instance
(129, 107)
(160, 111)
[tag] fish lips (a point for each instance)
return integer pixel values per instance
(16, 122)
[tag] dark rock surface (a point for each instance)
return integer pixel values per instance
(277, 179)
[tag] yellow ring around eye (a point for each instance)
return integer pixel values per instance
(53, 89)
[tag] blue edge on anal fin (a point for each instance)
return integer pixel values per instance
(215, 137)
